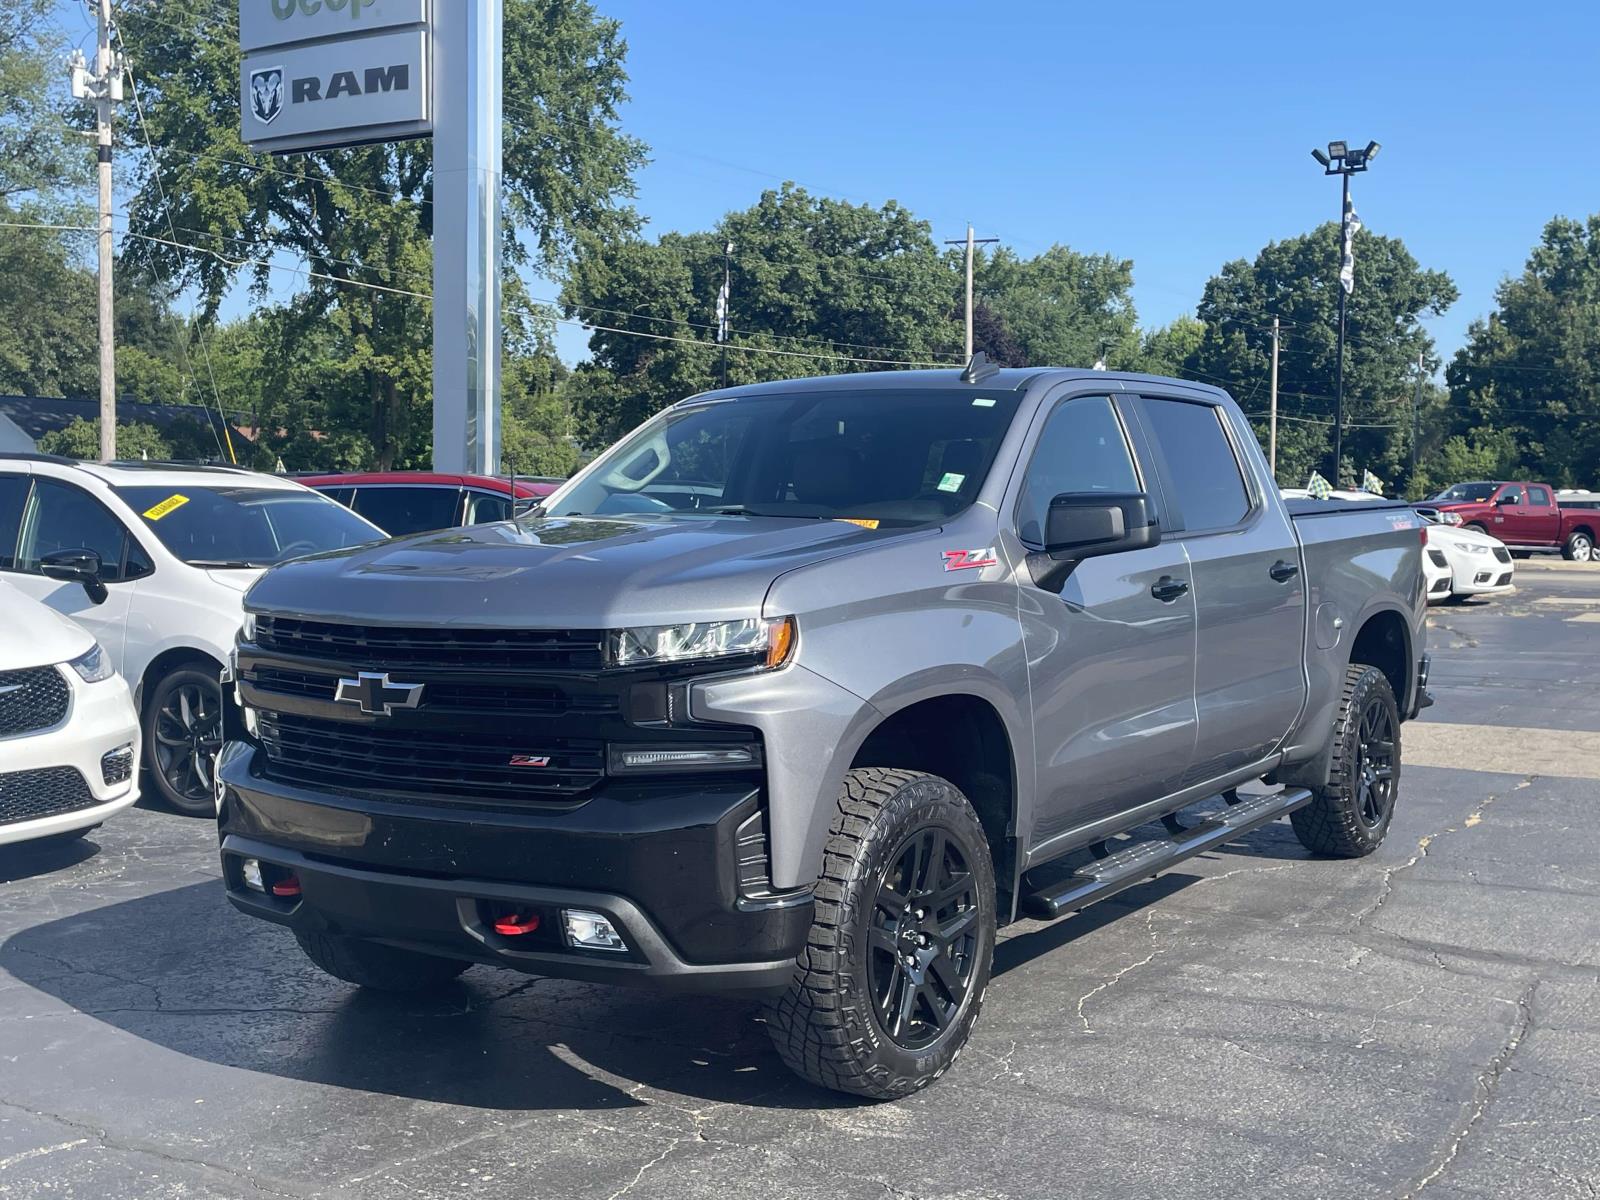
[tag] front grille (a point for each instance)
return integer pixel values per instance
(31, 700)
(28, 795)
(450, 697)
(1502, 554)
(465, 767)
(1439, 560)
(1503, 580)
(395, 646)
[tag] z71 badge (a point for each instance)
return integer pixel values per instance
(967, 560)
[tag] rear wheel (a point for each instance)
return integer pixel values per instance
(1350, 815)
(1579, 547)
(183, 733)
(382, 968)
(894, 971)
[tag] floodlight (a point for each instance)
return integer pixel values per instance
(1337, 149)
(1321, 158)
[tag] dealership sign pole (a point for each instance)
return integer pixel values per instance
(322, 74)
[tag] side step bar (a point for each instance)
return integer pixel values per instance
(1134, 863)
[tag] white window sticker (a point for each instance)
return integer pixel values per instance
(983, 402)
(951, 482)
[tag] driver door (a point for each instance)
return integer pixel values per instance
(61, 516)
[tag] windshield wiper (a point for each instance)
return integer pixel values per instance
(225, 564)
(744, 510)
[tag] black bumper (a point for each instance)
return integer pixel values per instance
(657, 858)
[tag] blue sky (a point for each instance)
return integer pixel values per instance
(1174, 134)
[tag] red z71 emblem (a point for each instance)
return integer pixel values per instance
(967, 560)
(530, 760)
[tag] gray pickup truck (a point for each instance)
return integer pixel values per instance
(802, 689)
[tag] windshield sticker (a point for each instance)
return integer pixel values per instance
(864, 522)
(169, 505)
(983, 402)
(967, 560)
(951, 482)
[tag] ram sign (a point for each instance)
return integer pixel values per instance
(324, 73)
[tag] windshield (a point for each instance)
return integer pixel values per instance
(1466, 493)
(245, 526)
(880, 457)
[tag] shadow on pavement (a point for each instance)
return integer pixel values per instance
(27, 860)
(182, 970)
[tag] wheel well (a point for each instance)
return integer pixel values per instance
(165, 663)
(1382, 643)
(1584, 528)
(960, 738)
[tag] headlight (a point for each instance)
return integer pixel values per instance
(94, 666)
(247, 631)
(1450, 518)
(700, 640)
(1473, 547)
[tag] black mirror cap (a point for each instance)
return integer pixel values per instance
(76, 566)
(1084, 525)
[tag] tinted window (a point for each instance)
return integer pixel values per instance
(62, 517)
(13, 493)
(484, 507)
(1466, 493)
(245, 526)
(344, 495)
(1207, 487)
(402, 510)
(1510, 495)
(892, 455)
(1539, 496)
(1081, 449)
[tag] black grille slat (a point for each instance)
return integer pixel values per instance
(31, 700)
(464, 766)
(49, 792)
(441, 697)
(476, 649)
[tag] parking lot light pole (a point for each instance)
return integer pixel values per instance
(1343, 161)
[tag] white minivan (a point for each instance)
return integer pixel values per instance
(69, 738)
(154, 560)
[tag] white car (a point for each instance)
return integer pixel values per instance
(69, 736)
(1459, 562)
(154, 560)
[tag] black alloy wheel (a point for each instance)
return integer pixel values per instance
(1350, 814)
(184, 736)
(1374, 768)
(924, 939)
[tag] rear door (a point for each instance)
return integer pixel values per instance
(1249, 594)
(1544, 517)
(1110, 658)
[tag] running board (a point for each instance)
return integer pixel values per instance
(1138, 861)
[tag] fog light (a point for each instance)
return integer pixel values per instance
(251, 870)
(590, 931)
(117, 766)
(686, 758)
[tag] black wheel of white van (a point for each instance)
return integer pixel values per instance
(1579, 548)
(897, 962)
(1350, 816)
(182, 736)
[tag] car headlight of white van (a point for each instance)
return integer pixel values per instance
(701, 640)
(93, 666)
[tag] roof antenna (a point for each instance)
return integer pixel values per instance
(979, 369)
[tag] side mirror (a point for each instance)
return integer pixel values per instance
(76, 566)
(1084, 525)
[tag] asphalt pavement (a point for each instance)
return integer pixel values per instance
(1424, 1022)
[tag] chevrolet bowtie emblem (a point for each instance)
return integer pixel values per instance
(375, 693)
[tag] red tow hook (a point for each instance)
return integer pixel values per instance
(516, 924)
(289, 885)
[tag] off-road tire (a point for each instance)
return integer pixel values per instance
(1579, 548)
(382, 968)
(826, 1026)
(1332, 824)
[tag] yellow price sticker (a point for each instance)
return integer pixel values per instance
(864, 522)
(170, 504)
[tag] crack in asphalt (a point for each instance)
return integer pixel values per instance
(1150, 928)
(1484, 1088)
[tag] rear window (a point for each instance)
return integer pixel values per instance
(1209, 488)
(402, 510)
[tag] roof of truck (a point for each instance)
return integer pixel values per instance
(1002, 379)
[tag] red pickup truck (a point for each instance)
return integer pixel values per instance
(1523, 515)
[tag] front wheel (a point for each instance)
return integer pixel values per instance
(1579, 548)
(183, 733)
(1350, 815)
(886, 992)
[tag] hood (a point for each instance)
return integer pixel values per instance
(236, 579)
(560, 572)
(1460, 533)
(32, 635)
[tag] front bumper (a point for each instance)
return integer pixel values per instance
(659, 858)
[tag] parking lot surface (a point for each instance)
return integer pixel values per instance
(1424, 1022)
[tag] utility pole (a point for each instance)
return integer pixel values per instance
(1416, 406)
(104, 87)
(971, 243)
(1272, 421)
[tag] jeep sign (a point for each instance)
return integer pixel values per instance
(264, 23)
(324, 73)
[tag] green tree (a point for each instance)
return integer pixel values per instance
(135, 439)
(1164, 351)
(1297, 280)
(361, 219)
(39, 156)
(1061, 307)
(1525, 388)
(47, 315)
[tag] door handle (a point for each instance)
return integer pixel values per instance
(1167, 589)
(1283, 571)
